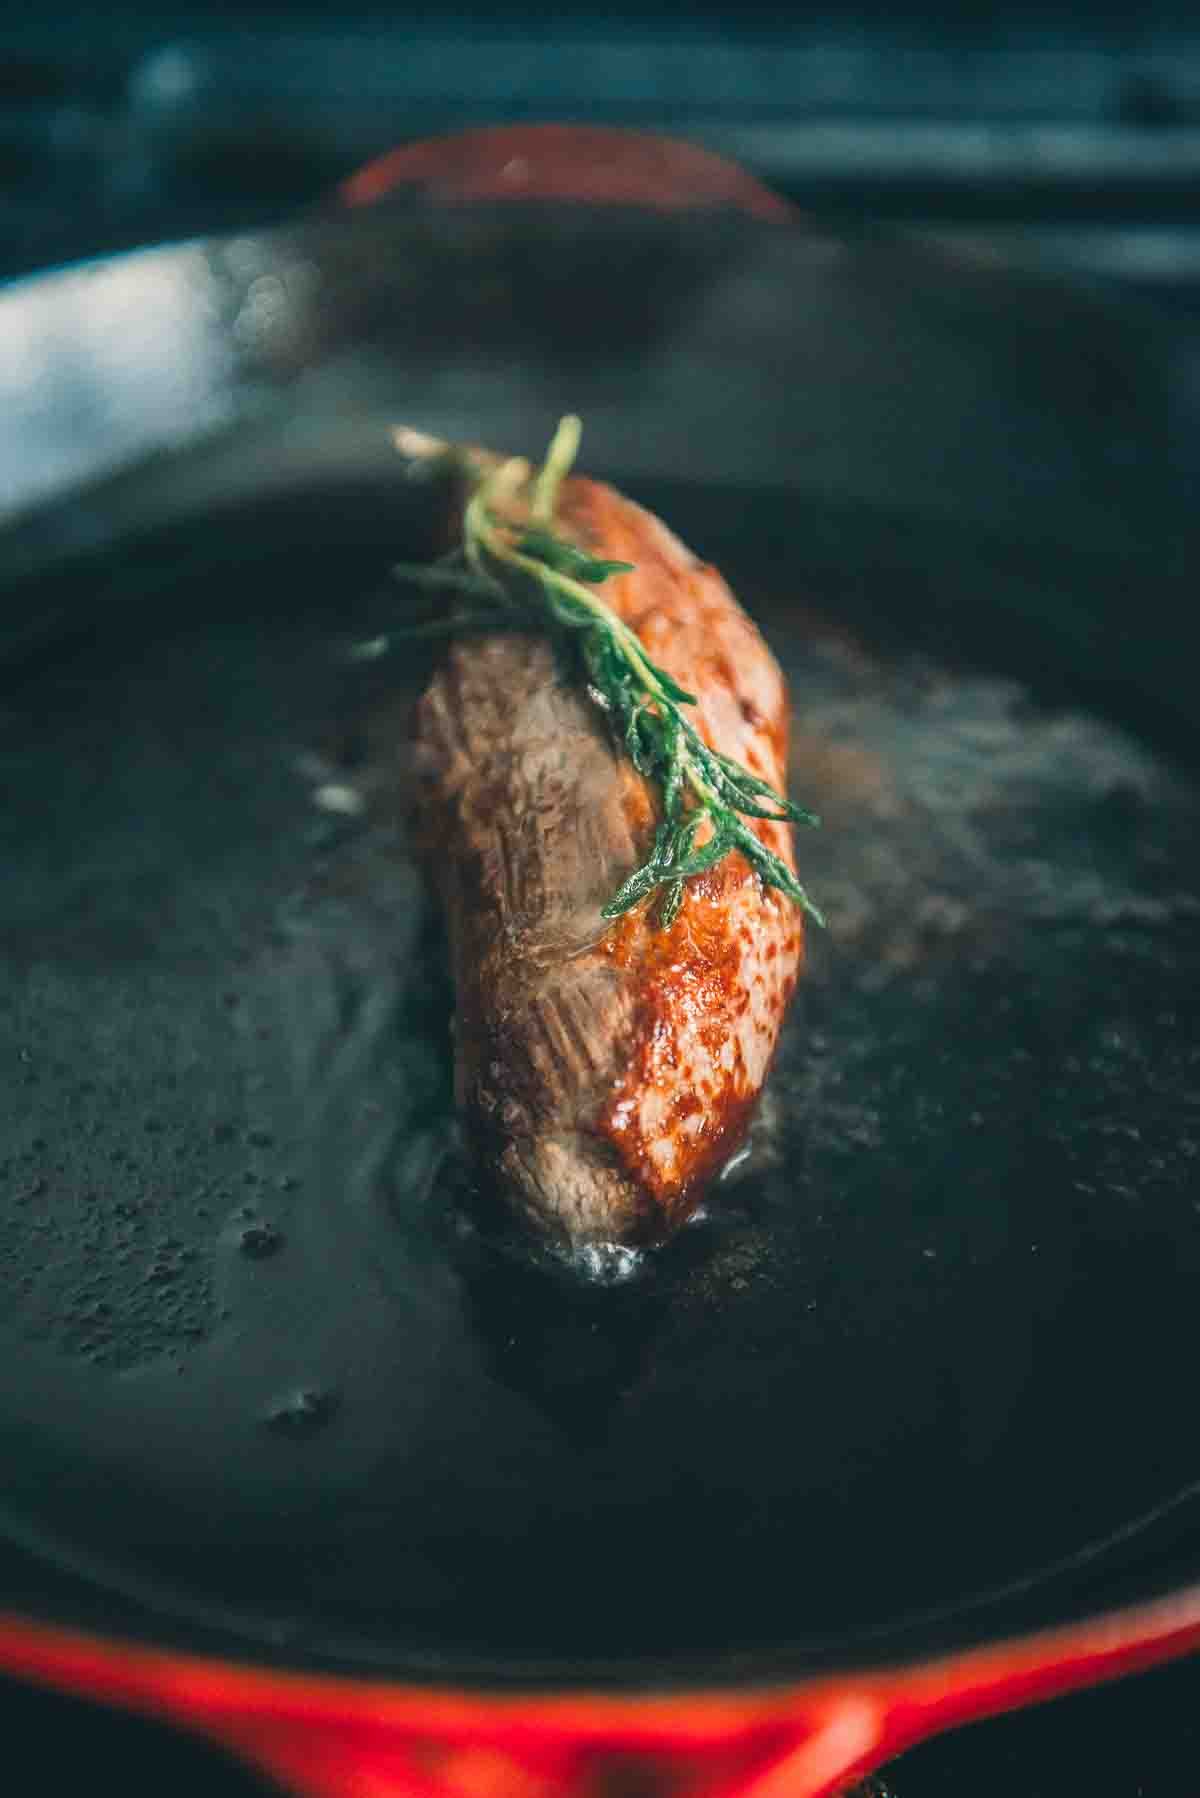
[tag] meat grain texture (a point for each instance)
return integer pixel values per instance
(605, 1071)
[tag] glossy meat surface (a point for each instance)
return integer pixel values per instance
(605, 1071)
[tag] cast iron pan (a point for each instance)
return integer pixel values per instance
(918, 1380)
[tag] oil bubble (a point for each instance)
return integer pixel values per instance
(302, 1412)
(260, 1241)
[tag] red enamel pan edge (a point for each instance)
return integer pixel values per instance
(334, 1737)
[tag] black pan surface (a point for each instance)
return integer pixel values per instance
(925, 1360)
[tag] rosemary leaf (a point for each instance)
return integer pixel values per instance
(439, 578)
(672, 899)
(641, 882)
(706, 857)
(555, 552)
(451, 622)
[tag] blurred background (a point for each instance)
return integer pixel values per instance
(1067, 137)
(1071, 134)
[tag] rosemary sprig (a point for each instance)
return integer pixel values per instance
(524, 574)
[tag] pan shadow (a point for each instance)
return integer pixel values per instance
(571, 1334)
(574, 1331)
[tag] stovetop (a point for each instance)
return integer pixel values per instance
(1076, 149)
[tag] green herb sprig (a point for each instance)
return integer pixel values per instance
(519, 575)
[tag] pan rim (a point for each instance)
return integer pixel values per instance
(956, 1625)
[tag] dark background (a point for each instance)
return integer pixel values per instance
(1072, 141)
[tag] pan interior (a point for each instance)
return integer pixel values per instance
(258, 1348)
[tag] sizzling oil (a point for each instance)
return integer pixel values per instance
(241, 1273)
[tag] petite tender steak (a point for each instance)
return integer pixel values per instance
(605, 1071)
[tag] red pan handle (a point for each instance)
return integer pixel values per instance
(342, 1738)
(587, 164)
